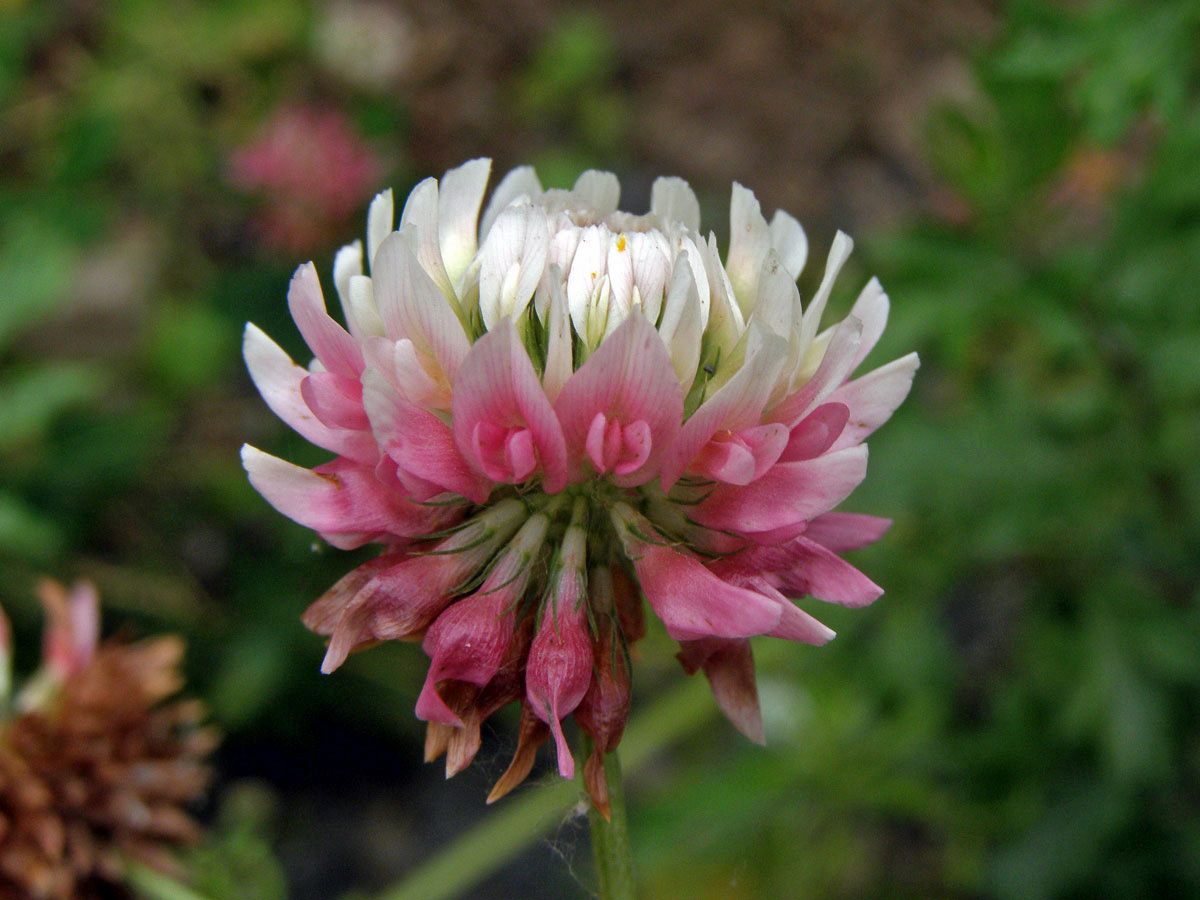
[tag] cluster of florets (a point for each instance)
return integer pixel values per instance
(549, 412)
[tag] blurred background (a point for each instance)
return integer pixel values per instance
(1018, 717)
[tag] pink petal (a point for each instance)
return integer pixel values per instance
(329, 342)
(496, 397)
(753, 570)
(420, 442)
(729, 666)
(874, 397)
(689, 599)
(742, 457)
(788, 493)
(322, 615)
(340, 497)
(278, 379)
(628, 380)
(336, 400)
(842, 532)
(816, 432)
(825, 575)
(835, 365)
(736, 406)
(72, 626)
(395, 602)
(797, 625)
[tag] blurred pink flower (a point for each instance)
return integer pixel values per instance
(548, 412)
(311, 170)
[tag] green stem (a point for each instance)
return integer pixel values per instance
(611, 853)
(153, 885)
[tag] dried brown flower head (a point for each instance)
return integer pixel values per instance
(95, 767)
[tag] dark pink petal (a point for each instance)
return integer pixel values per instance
(826, 576)
(497, 398)
(788, 493)
(816, 432)
(473, 639)
(336, 400)
(329, 342)
(394, 603)
(631, 382)
(467, 642)
(729, 666)
(559, 670)
(691, 601)
(278, 379)
(842, 532)
(874, 397)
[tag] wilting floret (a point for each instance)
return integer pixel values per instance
(97, 766)
(552, 410)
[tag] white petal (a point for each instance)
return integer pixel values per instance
(512, 261)
(599, 190)
(347, 262)
(587, 269)
(380, 217)
(790, 242)
(871, 308)
(673, 201)
(839, 252)
(681, 328)
(651, 256)
(411, 306)
(520, 182)
(361, 309)
(620, 280)
(420, 216)
(873, 398)
(725, 322)
(561, 254)
(459, 198)
(749, 241)
(778, 305)
(559, 341)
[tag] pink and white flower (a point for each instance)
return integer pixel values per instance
(535, 409)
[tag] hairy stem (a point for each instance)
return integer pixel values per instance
(611, 853)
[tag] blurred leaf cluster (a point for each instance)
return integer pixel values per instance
(1017, 717)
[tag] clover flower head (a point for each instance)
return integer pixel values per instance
(556, 409)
